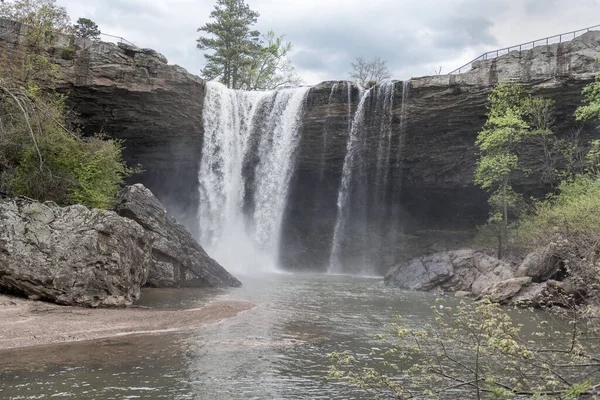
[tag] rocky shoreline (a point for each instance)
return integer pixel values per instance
(28, 323)
(539, 279)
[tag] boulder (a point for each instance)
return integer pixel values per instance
(424, 273)
(540, 264)
(71, 255)
(177, 258)
(502, 291)
(499, 272)
(533, 294)
(459, 271)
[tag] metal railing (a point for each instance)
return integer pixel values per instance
(563, 37)
(121, 39)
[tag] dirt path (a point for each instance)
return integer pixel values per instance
(31, 323)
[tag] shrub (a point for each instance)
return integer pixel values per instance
(42, 158)
(67, 53)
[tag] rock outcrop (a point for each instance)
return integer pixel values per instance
(470, 273)
(156, 108)
(132, 94)
(452, 271)
(71, 255)
(177, 258)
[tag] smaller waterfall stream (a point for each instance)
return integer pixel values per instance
(366, 202)
(246, 164)
(335, 262)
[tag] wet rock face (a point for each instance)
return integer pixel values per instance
(177, 258)
(71, 255)
(132, 94)
(435, 123)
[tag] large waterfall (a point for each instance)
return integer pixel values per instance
(247, 161)
(327, 198)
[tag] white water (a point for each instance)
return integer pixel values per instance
(237, 123)
(335, 262)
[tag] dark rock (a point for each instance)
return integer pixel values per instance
(449, 271)
(71, 255)
(540, 265)
(157, 109)
(178, 259)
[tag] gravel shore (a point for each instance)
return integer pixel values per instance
(32, 323)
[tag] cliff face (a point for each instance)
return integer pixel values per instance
(435, 123)
(132, 94)
(156, 109)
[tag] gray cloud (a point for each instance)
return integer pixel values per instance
(416, 37)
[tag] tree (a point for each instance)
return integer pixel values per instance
(269, 67)
(43, 18)
(232, 41)
(498, 142)
(591, 98)
(477, 351)
(41, 14)
(87, 29)
(369, 72)
(41, 155)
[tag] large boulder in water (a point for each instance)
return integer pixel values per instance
(177, 258)
(71, 255)
(450, 271)
(541, 264)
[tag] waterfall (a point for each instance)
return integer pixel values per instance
(246, 164)
(354, 140)
(364, 199)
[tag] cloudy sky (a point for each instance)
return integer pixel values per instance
(416, 37)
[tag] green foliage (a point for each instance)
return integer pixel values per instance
(67, 53)
(240, 57)
(591, 98)
(511, 119)
(43, 15)
(41, 156)
(87, 29)
(232, 40)
(50, 161)
(269, 66)
(477, 351)
(44, 19)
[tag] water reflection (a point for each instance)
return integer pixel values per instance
(275, 350)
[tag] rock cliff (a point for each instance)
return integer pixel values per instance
(156, 108)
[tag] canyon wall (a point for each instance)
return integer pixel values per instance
(156, 108)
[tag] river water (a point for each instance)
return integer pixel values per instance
(274, 351)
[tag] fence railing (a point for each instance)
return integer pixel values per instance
(121, 39)
(563, 37)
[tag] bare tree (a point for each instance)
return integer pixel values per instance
(365, 72)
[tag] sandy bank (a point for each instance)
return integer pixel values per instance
(32, 323)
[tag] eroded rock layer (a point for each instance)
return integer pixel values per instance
(156, 109)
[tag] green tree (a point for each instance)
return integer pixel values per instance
(477, 351)
(232, 41)
(87, 29)
(591, 98)
(498, 143)
(41, 14)
(269, 67)
(43, 20)
(41, 155)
